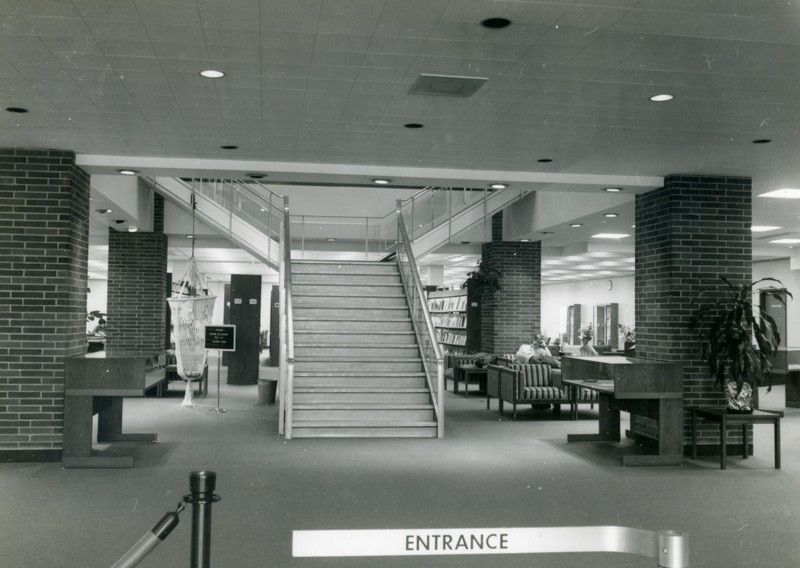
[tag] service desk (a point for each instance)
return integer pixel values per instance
(96, 383)
(644, 387)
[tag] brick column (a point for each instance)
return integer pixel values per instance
(688, 234)
(44, 244)
(513, 315)
(137, 287)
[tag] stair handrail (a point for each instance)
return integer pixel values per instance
(287, 331)
(416, 295)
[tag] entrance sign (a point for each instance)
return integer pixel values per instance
(221, 337)
(670, 548)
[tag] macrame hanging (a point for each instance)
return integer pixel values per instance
(191, 306)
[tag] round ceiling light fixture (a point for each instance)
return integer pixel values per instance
(212, 74)
(762, 141)
(128, 172)
(17, 110)
(611, 215)
(662, 98)
(612, 189)
(229, 147)
(498, 185)
(413, 125)
(496, 23)
(544, 160)
(256, 176)
(133, 229)
(381, 181)
(576, 225)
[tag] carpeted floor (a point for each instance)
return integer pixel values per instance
(487, 472)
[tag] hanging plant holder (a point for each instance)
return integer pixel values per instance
(191, 306)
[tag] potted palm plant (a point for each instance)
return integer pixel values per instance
(739, 341)
(484, 278)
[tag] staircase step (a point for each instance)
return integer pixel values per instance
(377, 279)
(306, 380)
(351, 313)
(363, 429)
(318, 301)
(360, 395)
(333, 364)
(304, 338)
(343, 267)
(372, 411)
(304, 324)
(391, 350)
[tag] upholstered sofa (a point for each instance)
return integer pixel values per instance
(533, 384)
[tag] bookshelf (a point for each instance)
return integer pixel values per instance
(448, 310)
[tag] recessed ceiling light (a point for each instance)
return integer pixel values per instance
(331, 240)
(762, 141)
(544, 160)
(189, 236)
(256, 176)
(17, 110)
(119, 221)
(661, 98)
(576, 224)
(463, 242)
(524, 240)
(103, 211)
(611, 215)
(128, 172)
(612, 189)
(229, 147)
(496, 23)
(413, 125)
(763, 228)
(132, 229)
(785, 193)
(610, 236)
(381, 181)
(785, 241)
(498, 185)
(212, 74)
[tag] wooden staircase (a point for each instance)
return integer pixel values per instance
(358, 370)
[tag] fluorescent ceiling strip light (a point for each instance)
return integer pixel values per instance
(610, 236)
(762, 228)
(785, 193)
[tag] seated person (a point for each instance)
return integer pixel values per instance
(100, 328)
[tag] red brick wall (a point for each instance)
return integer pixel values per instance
(44, 236)
(513, 315)
(688, 233)
(137, 287)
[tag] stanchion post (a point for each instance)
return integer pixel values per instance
(673, 549)
(202, 484)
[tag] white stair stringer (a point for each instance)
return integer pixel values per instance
(357, 367)
(441, 234)
(243, 234)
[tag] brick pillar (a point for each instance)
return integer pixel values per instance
(137, 287)
(688, 234)
(511, 316)
(44, 246)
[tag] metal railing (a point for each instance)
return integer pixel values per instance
(430, 350)
(287, 328)
(375, 237)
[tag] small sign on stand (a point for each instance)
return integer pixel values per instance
(222, 338)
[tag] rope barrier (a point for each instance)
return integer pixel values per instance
(201, 497)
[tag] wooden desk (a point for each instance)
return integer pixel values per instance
(467, 372)
(96, 383)
(722, 417)
(641, 387)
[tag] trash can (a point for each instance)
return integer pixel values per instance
(267, 389)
